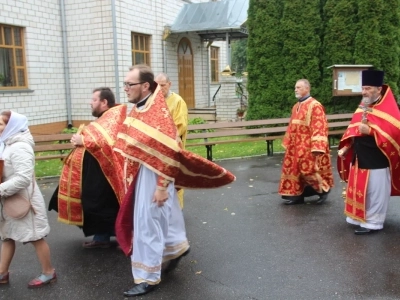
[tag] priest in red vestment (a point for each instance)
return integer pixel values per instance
(369, 155)
(306, 167)
(150, 225)
(91, 184)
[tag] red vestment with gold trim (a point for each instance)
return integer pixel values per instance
(149, 137)
(307, 132)
(383, 119)
(98, 139)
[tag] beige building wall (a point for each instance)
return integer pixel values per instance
(91, 53)
(44, 101)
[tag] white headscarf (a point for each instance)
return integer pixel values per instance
(17, 123)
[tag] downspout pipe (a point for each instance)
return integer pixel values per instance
(209, 74)
(116, 68)
(228, 49)
(66, 63)
(164, 46)
(166, 34)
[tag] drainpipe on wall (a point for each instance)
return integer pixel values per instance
(116, 69)
(208, 73)
(228, 49)
(66, 63)
(165, 56)
(166, 34)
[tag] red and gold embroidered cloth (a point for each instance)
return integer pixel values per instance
(98, 138)
(149, 137)
(384, 120)
(307, 132)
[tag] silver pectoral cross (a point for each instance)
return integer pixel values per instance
(366, 110)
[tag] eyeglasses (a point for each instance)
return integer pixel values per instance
(128, 85)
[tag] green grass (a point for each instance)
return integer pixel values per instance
(52, 167)
(243, 149)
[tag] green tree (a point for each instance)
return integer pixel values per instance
(340, 27)
(293, 39)
(264, 58)
(368, 41)
(300, 58)
(390, 44)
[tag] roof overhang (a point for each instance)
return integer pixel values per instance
(213, 20)
(349, 66)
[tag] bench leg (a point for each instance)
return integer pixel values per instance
(270, 148)
(209, 152)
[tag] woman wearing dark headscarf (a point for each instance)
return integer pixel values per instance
(16, 149)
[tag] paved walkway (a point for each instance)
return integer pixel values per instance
(245, 245)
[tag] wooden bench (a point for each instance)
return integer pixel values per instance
(53, 146)
(57, 144)
(337, 124)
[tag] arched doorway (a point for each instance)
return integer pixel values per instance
(185, 72)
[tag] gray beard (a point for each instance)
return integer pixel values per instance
(366, 101)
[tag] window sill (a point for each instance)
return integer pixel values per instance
(13, 91)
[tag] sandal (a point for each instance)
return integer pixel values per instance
(4, 279)
(42, 280)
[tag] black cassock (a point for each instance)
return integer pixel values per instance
(99, 203)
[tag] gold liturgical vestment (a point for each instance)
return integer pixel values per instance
(307, 132)
(179, 112)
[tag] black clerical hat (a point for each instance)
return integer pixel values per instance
(372, 78)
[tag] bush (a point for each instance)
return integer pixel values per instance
(70, 130)
(197, 121)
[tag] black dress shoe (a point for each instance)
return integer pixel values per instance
(292, 200)
(363, 231)
(139, 289)
(323, 196)
(173, 263)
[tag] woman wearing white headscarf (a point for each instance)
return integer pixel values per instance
(16, 149)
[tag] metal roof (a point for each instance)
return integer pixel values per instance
(212, 20)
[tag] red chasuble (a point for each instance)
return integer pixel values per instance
(149, 137)
(384, 120)
(307, 132)
(98, 138)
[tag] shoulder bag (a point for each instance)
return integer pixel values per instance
(17, 206)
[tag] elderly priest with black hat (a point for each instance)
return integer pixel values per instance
(368, 156)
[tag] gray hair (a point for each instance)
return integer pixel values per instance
(305, 82)
(164, 75)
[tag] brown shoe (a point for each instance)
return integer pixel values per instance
(96, 244)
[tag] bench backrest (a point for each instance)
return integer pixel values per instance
(242, 127)
(60, 143)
